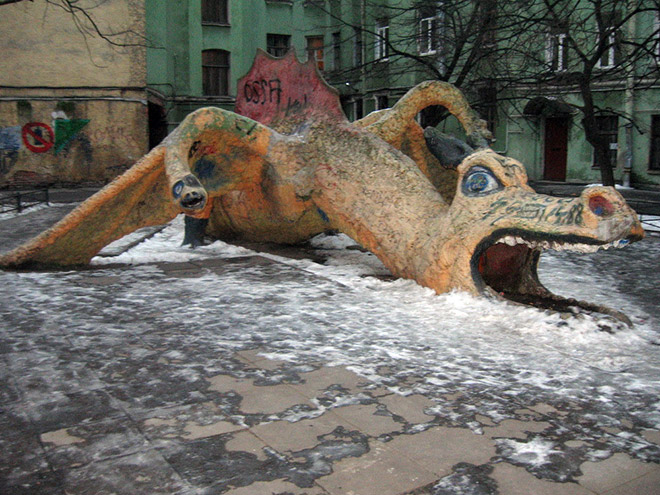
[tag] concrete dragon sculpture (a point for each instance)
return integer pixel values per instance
(288, 165)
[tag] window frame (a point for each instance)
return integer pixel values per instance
(381, 41)
(220, 7)
(654, 144)
(318, 52)
(556, 51)
(271, 43)
(222, 69)
(381, 101)
(613, 134)
(336, 50)
(427, 35)
(656, 32)
(609, 54)
(358, 47)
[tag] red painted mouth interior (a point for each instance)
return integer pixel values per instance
(501, 266)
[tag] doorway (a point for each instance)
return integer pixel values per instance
(556, 148)
(157, 124)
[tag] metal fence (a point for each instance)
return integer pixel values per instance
(19, 200)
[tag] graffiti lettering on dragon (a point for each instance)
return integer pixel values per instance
(449, 215)
(554, 211)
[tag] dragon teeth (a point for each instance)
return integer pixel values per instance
(510, 240)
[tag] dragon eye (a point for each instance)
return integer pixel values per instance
(479, 181)
(177, 188)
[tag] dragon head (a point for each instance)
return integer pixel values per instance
(500, 227)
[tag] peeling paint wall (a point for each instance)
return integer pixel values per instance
(73, 106)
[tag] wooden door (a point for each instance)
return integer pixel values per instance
(556, 147)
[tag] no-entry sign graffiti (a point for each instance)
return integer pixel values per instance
(38, 137)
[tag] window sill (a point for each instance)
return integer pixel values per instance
(216, 24)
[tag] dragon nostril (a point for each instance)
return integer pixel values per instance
(601, 206)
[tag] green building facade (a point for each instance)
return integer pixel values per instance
(374, 51)
(199, 49)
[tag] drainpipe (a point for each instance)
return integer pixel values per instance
(363, 34)
(629, 109)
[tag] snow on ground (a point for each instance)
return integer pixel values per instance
(399, 335)
(371, 322)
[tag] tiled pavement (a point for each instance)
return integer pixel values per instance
(105, 396)
(142, 407)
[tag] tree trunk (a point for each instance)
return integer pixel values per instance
(594, 138)
(603, 159)
(601, 147)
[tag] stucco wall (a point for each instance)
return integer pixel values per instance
(69, 142)
(73, 106)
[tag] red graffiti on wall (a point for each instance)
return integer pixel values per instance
(38, 137)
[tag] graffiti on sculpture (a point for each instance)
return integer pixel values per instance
(555, 212)
(258, 92)
(277, 171)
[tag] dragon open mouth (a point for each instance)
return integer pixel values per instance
(193, 201)
(506, 262)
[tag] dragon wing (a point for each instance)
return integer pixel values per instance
(138, 198)
(204, 157)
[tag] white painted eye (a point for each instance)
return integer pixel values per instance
(479, 181)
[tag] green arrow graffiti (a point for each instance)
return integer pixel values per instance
(66, 130)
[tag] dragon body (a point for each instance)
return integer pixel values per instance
(288, 165)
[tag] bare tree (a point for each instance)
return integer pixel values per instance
(587, 46)
(518, 48)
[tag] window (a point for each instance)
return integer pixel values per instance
(487, 105)
(656, 35)
(278, 44)
(215, 72)
(315, 50)
(610, 56)
(215, 12)
(382, 102)
(381, 48)
(336, 51)
(355, 109)
(357, 47)
(487, 19)
(556, 51)
(428, 33)
(654, 159)
(608, 127)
